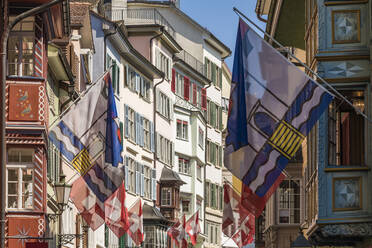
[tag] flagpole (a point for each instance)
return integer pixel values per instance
(58, 118)
(239, 13)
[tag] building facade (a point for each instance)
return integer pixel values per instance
(37, 71)
(336, 155)
(191, 59)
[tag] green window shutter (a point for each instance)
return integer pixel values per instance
(121, 132)
(113, 69)
(206, 67)
(213, 118)
(221, 198)
(106, 236)
(220, 118)
(118, 80)
(214, 74)
(122, 241)
(220, 77)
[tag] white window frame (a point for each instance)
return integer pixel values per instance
(147, 181)
(182, 130)
(184, 166)
(290, 197)
(20, 166)
(166, 201)
(132, 175)
(146, 134)
(131, 124)
(201, 138)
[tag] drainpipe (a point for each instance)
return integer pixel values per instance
(3, 54)
(259, 17)
(105, 48)
(205, 153)
(154, 95)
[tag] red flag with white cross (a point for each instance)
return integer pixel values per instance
(116, 214)
(178, 232)
(135, 230)
(193, 227)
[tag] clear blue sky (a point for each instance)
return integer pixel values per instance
(219, 18)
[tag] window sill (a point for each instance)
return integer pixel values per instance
(182, 139)
(347, 168)
(163, 116)
(184, 174)
(25, 78)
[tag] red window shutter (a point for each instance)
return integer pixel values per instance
(194, 93)
(204, 99)
(173, 83)
(186, 91)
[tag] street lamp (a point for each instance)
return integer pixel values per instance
(62, 191)
(301, 241)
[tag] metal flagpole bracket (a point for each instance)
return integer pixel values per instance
(240, 14)
(66, 239)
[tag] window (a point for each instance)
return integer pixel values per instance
(213, 72)
(164, 105)
(166, 196)
(20, 177)
(131, 125)
(214, 196)
(165, 150)
(289, 202)
(147, 133)
(201, 138)
(346, 131)
(137, 83)
(185, 206)
(199, 172)
(225, 104)
(182, 130)
(214, 115)
(207, 197)
(147, 180)
(179, 84)
(131, 175)
(214, 154)
(139, 129)
(21, 48)
(162, 63)
(213, 232)
(115, 74)
(184, 166)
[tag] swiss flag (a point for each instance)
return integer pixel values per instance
(135, 230)
(116, 214)
(88, 205)
(245, 234)
(193, 227)
(178, 232)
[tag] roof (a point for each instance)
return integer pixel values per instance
(168, 175)
(125, 48)
(181, 13)
(152, 213)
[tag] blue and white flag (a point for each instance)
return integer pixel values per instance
(273, 106)
(89, 130)
(88, 137)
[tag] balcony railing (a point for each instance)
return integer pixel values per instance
(140, 17)
(191, 61)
